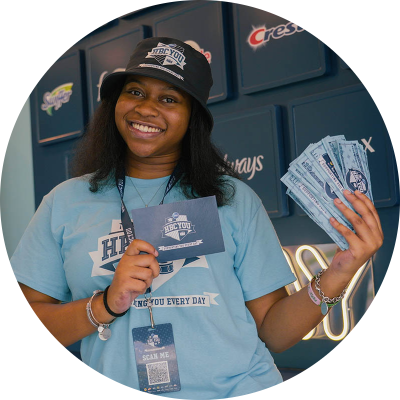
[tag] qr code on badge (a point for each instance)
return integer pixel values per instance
(158, 373)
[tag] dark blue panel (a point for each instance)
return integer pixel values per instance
(251, 140)
(68, 157)
(188, 25)
(272, 51)
(350, 112)
(107, 57)
(59, 102)
(343, 65)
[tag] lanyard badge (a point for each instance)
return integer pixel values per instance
(154, 345)
(156, 361)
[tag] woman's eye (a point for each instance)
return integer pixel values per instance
(169, 100)
(135, 92)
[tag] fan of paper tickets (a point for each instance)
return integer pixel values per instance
(321, 174)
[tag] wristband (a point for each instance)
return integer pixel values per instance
(108, 308)
(312, 295)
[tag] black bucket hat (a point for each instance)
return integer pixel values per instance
(169, 60)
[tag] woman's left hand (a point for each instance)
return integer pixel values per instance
(365, 242)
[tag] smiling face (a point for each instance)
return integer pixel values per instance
(152, 117)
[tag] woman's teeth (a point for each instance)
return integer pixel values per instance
(145, 128)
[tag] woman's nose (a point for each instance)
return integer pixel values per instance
(147, 108)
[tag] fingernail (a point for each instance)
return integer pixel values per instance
(338, 201)
(156, 253)
(347, 192)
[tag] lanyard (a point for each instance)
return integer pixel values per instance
(127, 224)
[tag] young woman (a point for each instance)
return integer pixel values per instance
(151, 135)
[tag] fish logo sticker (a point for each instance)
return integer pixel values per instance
(55, 99)
(168, 54)
(177, 227)
(196, 46)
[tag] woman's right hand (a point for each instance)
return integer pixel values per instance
(134, 274)
(69, 322)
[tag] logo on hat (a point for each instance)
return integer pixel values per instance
(168, 54)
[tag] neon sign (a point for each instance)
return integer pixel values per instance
(304, 274)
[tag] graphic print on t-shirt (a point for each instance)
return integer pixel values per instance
(110, 249)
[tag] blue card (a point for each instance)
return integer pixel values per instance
(156, 361)
(184, 229)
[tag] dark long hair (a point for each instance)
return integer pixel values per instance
(101, 152)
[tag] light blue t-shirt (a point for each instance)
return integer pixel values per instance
(75, 240)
